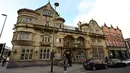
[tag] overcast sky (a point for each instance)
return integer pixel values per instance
(115, 12)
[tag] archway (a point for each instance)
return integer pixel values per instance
(68, 39)
(81, 40)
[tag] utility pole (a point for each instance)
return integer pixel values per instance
(52, 53)
(3, 24)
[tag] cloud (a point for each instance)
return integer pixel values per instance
(115, 12)
(84, 5)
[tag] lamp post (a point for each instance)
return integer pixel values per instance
(52, 53)
(1, 34)
(3, 24)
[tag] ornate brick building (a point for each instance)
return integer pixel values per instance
(127, 42)
(115, 42)
(32, 39)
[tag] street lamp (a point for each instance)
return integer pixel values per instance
(52, 53)
(3, 24)
(1, 34)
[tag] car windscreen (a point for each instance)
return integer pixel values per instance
(96, 61)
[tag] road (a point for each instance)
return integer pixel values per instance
(76, 68)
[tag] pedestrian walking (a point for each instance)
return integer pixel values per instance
(4, 61)
(68, 56)
(70, 61)
(65, 64)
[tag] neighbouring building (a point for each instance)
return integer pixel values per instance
(33, 36)
(2, 47)
(4, 51)
(7, 51)
(115, 42)
(127, 42)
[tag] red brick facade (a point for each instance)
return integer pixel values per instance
(115, 42)
(114, 37)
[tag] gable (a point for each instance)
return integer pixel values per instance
(94, 27)
(47, 7)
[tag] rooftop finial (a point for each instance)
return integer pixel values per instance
(111, 26)
(117, 27)
(105, 24)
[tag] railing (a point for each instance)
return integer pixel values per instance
(96, 35)
(70, 45)
(79, 45)
(23, 42)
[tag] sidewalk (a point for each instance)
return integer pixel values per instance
(45, 69)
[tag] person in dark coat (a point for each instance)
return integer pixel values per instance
(106, 59)
(68, 56)
(4, 61)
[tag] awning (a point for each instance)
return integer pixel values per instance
(117, 49)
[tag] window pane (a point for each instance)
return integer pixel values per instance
(77, 56)
(48, 39)
(47, 50)
(30, 57)
(41, 50)
(23, 50)
(59, 39)
(47, 56)
(22, 57)
(25, 19)
(44, 56)
(43, 39)
(27, 50)
(44, 50)
(22, 36)
(31, 51)
(26, 56)
(27, 36)
(40, 56)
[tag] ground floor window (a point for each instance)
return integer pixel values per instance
(97, 52)
(121, 54)
(44, 53)
(79, 55)
(27, 54)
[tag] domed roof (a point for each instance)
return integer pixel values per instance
(28, 10)
(60, 18)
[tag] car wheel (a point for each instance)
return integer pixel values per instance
(94, 68)
(106, 67)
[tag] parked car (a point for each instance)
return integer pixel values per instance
(94, 64)
(127, 61)
(115, 63)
